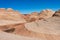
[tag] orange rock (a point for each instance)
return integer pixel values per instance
(27, 17)
(34, 16)
(2, 9)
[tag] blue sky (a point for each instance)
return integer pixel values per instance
(28, 6)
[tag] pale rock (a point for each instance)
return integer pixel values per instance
(47, 26)
(11, 15)
(46, 14)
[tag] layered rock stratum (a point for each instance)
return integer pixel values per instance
(46, 13)
(9, 15)
(35, 26)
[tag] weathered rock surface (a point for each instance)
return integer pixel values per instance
(46, 14)
(8, 36)
(26, 17)
(33, 16)
(22, 31)
(10, 16)
(48, 26)
(29, 25)
(57, 13)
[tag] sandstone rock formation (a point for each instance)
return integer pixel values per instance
(44, 25)
(2, 13)
(22, 31)
(10, 15)
(26, 17)
(57, 13)
(7, 36)
(48, 26)
(46, 14)
(33, 16)
(2, 10)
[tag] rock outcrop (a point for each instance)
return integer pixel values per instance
(26, 17)
(44, 25)
(8, 36)
(46, 14)
(48, 26)
(33, 16)
(57, 13)
(11, 15)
